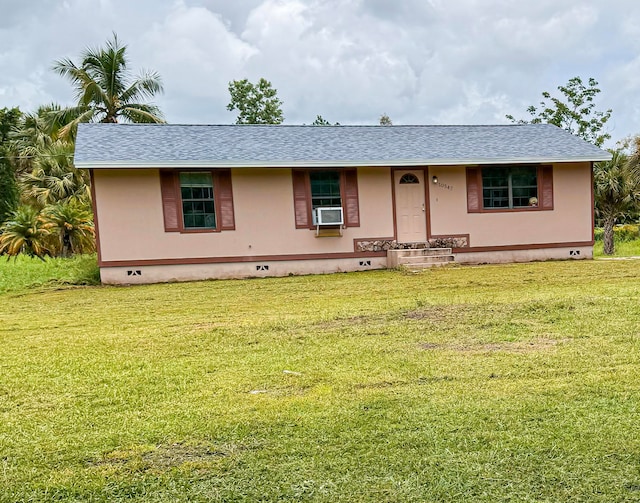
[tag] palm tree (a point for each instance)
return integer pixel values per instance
(25, 232)
(53, 178)
(104, 90)
(616, 190)
(35, 132)
(634, 157)
(71, 227)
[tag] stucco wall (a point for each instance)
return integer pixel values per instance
(569, 221)
(131, 224)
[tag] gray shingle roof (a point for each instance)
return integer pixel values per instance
(160, 145)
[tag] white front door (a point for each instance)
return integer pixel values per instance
(411, 219)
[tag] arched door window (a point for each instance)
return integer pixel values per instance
(409, 178)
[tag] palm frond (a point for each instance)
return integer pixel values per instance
(146, 86)
(149, 114)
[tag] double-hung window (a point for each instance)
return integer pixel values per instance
(197, 201)
(198, 208)
(325, 188)
(325, 191)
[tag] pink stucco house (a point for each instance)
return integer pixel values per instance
(183, 202)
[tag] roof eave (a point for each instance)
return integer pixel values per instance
(330, 164)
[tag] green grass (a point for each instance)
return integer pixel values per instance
(622, 249)
(494, 383)
(23, 273)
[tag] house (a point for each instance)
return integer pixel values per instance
(183, 202)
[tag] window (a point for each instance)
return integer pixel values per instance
(409, 178)
(315, 188)
(197, 201)
(509, 188)
(515, 187)
(198, 209)
(325, 191)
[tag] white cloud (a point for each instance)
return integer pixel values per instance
(194, 47)
(420, 61)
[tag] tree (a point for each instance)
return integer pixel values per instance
(616, 191)
(574, 111)
(35, 132)
(25, 232)
(634, 146)
(53, 178)
(255, 103)
(9, 119)
(321, 121)
(8, 187)
(104, 90)
(71, 228)
(385, 120)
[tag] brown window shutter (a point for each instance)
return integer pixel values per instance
(474, 190)
(170, 200)
(301, 198)
(224, 193)
(351, 205)
(546, 187)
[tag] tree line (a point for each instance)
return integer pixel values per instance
(45, 202)
(617, 181)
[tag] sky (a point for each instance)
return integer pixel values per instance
(418, 61)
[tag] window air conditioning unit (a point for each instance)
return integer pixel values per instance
(329, 216)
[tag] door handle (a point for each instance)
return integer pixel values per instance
(423, 207)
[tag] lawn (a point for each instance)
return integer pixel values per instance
(23, 273)
(491, 383)
(621, 248)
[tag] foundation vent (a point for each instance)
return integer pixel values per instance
(134, 273)
(365, 263)
(262, 267)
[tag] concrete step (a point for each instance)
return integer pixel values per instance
(419, 257)
(424, 265)
(428, 262)
(426, 259)
(421, 252)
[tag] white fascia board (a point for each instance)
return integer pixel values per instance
(327, 164)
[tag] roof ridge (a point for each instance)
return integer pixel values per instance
(377, 126)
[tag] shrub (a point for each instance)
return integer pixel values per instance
(598, 233)
(25, 232)
(621, 233)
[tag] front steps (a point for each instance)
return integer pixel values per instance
(417, 259)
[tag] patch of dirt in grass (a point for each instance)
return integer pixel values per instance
(282, 391)
(431, 314)
(169, 456)
(165, 457)
(432, 345)
(457, 313)
(399, 383)
(380, 384)
(508, 347)
(204, 326)
(442, 313)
